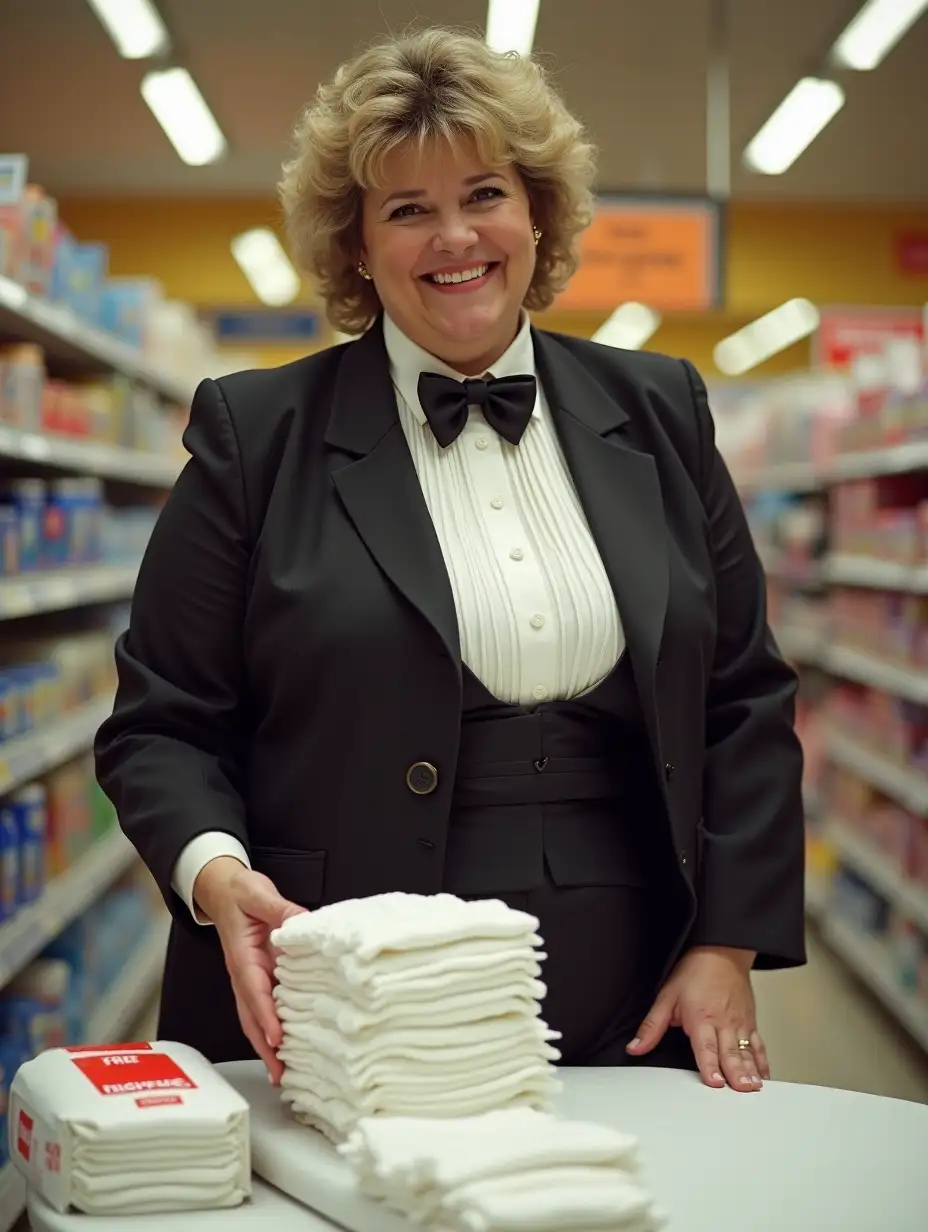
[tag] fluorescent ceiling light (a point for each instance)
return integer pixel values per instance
(511, 25)
(134, 26)
(181, 110)
(266, 266)
(629, 327)
(777, 330)
(875, 31)
(794, 125)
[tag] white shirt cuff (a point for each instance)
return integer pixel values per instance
(194, 858)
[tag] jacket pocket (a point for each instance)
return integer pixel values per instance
(298, 875)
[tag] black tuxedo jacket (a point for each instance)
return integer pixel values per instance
(293, 651)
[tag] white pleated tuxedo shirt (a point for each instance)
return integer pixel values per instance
(537, 618)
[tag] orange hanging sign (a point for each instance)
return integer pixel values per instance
(665, 254)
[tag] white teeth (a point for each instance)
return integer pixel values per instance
(463, 276)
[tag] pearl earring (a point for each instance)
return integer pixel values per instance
(364, 272)
(537, 235)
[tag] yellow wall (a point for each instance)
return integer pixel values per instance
(829, 254)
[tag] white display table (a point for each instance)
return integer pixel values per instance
(790, 1157)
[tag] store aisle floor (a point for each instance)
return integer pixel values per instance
(823, 1027)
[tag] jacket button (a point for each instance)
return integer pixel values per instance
(683, 855)
(422, 778)
(668, 771)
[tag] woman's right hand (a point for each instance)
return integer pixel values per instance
(245, 906)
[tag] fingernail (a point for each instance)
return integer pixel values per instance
(757, 1080)
(745, 1080)
(635, 1042)
(717, 1077)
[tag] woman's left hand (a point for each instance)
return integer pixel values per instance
(709, 995)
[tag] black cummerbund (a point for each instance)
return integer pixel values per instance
(560, 785)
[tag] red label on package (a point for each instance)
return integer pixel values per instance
(24, 1135)
(157, 1101)
(108, 1048)
(129, 1073)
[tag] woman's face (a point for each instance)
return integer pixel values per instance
(442, 213)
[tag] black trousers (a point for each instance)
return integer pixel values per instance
(599, 973)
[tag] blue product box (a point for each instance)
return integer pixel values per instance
(27, 496)
(30, 811)
(60, 284)
(124, 308)
(9, 863)
(9, 541)
(89, 264)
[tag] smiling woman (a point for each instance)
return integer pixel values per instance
(452, 170)
(462, 606)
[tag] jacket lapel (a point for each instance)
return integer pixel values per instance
(621, 495)
(376, 479)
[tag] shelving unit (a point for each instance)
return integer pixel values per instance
(72, 350)
(76, 346)
(26, 757)
(804, 638)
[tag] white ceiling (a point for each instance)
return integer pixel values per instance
(634, 70)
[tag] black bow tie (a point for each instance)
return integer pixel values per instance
(507, 403)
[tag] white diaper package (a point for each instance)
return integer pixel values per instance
(129, 1129)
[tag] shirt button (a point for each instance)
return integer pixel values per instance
(537, 621)
(481, 442)
(539, 692)
(496, 502)
(516, 554)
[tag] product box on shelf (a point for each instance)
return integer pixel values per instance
(126, 306)
(22, 377)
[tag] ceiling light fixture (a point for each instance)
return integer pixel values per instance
(875, 31)
(135, 26)
(795, 124)
(511, 25)
(629, 327)
(769, 334)
(181, 110)
(267, 267)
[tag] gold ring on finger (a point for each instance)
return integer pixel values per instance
(744, 1045)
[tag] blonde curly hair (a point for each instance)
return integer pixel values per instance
(435, 83)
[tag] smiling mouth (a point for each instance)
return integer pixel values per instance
(474, 273)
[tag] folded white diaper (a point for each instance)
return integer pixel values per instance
(384, 923)
(513, 1170)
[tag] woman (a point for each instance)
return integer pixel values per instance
(463, 606)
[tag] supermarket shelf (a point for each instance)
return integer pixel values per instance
(64, 899)
(846, 570)
(28, 594)
(784, 477)
(909, 787)
(801, 645)
(127, 998)
(117, 1013)
(870, 962)
(853, 664)
(879, 871)
(66, 340)
(888, 460)
(89, 458)
(26, 757)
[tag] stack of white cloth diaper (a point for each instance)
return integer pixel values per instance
(515, 1170)
(130, 1129)
(411, 1005)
